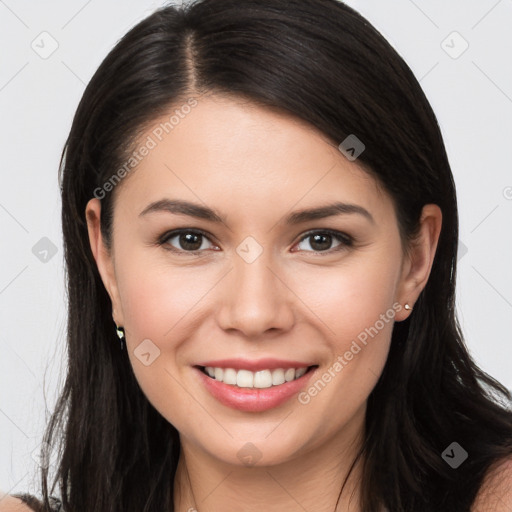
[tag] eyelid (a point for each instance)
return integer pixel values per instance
(345, 239)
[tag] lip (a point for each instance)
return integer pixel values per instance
(255, 366)
(253, 399)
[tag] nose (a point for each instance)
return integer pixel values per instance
(256, 299)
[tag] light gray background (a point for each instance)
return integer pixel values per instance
(470, 94)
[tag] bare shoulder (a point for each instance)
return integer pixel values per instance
(11, 504)
(495, 494)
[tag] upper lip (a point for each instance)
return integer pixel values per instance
(255, 365)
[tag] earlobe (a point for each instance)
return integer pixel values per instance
(101, 254)
(420, 258)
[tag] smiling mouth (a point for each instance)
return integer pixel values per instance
(257, 380)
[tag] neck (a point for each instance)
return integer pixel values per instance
(311, 481)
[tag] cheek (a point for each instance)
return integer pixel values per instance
(157, 305)
(349, 299)
(353, 307)
(155, 297)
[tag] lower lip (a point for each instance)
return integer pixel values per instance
(253, 399)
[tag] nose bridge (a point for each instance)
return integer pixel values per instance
(256, 299)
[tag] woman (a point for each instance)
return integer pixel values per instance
(258, 202)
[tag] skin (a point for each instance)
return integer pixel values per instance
(295, 301)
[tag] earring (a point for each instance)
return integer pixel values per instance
(407, 307)
(120, 334)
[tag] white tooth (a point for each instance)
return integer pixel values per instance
(277, 377)
(260, 379)
(244, 379)
(299, 372)
(289, 374)
(263, 379)
(229, 376)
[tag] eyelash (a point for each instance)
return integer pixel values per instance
(346, 240)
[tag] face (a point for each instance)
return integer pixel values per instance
(249, 288)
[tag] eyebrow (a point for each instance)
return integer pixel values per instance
(180, 207)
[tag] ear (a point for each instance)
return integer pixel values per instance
(104, 258)
(419, 259)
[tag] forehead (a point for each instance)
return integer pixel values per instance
(232, 152)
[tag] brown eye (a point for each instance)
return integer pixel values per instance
(184, 241)
(321, 241)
